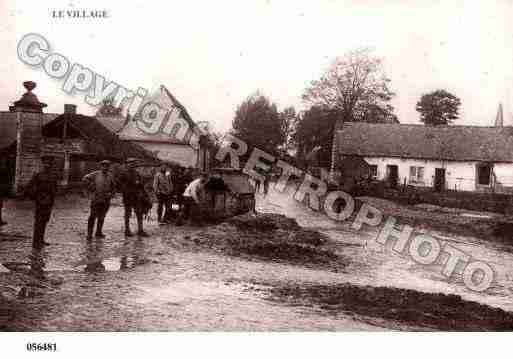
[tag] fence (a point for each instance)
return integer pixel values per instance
(478, 201)
(504, 184)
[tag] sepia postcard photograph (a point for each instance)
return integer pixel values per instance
(255, 178)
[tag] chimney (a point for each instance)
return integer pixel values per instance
(70, 109)
(499, 119)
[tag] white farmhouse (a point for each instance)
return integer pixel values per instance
(463, 158)
(177, 139)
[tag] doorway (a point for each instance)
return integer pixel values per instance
(392, 175)
(439, 179)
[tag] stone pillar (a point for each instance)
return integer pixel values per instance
(29, 136)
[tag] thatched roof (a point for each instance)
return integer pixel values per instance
(100, 141)
(453, 143)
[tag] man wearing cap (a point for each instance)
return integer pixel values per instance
(102, 187)
(163, 189)
(132, 188)
(42, 189)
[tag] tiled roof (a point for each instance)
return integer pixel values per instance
(101, 140)
(457, 143)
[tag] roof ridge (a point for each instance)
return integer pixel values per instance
(420, 125)
(177, 103)
(416, 141)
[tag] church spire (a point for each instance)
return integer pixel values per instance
(499, 119)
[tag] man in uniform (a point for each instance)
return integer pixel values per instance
(163, 189)
(101, 185)
(42, 189)
(134, 196)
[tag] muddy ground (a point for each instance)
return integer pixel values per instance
(249, 273)
(486, 225)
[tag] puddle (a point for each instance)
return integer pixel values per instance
(111, 264)
(120, 263)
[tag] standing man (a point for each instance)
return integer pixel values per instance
(163, 188)
(134, 196)
(42, 189)
(102, 187)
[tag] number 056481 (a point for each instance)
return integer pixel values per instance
(41, 347)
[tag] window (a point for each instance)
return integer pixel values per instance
(374, 171)
(484, 174)
(416, 174)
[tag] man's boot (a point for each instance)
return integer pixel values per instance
(90, 227)
(38, 241)
(141, 232)
(99, 227)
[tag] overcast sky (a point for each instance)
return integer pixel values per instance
(213, 54)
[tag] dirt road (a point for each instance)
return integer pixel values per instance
(158, 283)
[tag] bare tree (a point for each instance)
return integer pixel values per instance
(355, 85)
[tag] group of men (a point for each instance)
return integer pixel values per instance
(170, 188)
(102, 186)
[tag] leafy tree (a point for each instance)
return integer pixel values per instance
(438, 108)
(356, 87)
(315, 129)
(258, 123)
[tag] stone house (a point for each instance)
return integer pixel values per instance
(462, 158)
